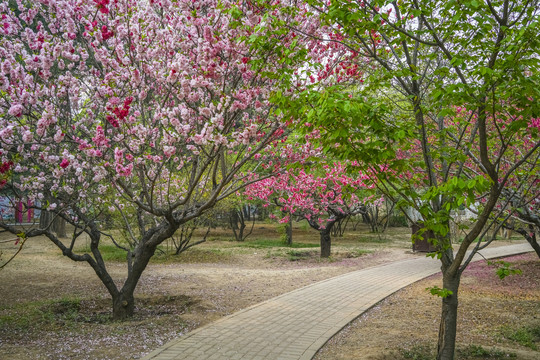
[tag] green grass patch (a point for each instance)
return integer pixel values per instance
(374, 238)
(194, 255)
(479, 352)
(418, 352)
(166, 255)
(303, 225)
(295, 255)
(272, 243)
(49, 314)
(291, 254)
(357, 253)
(108, 252)
(528, 336)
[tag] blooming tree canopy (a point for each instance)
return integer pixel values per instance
(322, 194)
(149, 110)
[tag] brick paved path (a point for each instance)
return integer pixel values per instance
(297, 324)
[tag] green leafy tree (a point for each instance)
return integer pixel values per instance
(432, 98)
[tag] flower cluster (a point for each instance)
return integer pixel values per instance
(93, 103)
(102, 6)
(317, 195)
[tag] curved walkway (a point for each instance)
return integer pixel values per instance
(297, 324)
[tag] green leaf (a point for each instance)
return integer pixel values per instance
(504, 269)
(443, 293)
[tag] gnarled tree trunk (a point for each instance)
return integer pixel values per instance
(326, 242)
(45, 219)
(326, 239)
(535, 245)
(123, 305)
(124, 300)
(325, 234)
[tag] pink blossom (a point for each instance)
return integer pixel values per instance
(5, 167)
(59, 136)
(169, 151)
(16, 110)
(100, 139)
(119, 155)
(64, 163)
(535, 124)
(106, 33)
(102, 6)
(284, 220)
(113, 121)
(207, 33)
(124, 170)
(27, 136)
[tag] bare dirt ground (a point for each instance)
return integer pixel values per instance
(498, 319)
(54, 308)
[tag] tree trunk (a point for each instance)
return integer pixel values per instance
(59, 227)
(288, 230)
(56, 223)
(123, 305)
(326, 242)
(535, 245)
(45, 219)
(356, 222)
(247, 212)
(124, 300)
(448, 325)
(233, 222)
(531, 238)
(238, 224)
(242, 227)
(339, 227)
(263, 213)
(366, 219)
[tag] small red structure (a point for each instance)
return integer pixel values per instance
(21, 211)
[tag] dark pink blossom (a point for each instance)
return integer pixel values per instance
(64, 163)
(113, 121)
(102, 6)
(106, 33)
(4, 168)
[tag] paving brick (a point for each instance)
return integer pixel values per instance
(294, 326)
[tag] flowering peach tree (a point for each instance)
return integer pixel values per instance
(322, 194)
(148, 110)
